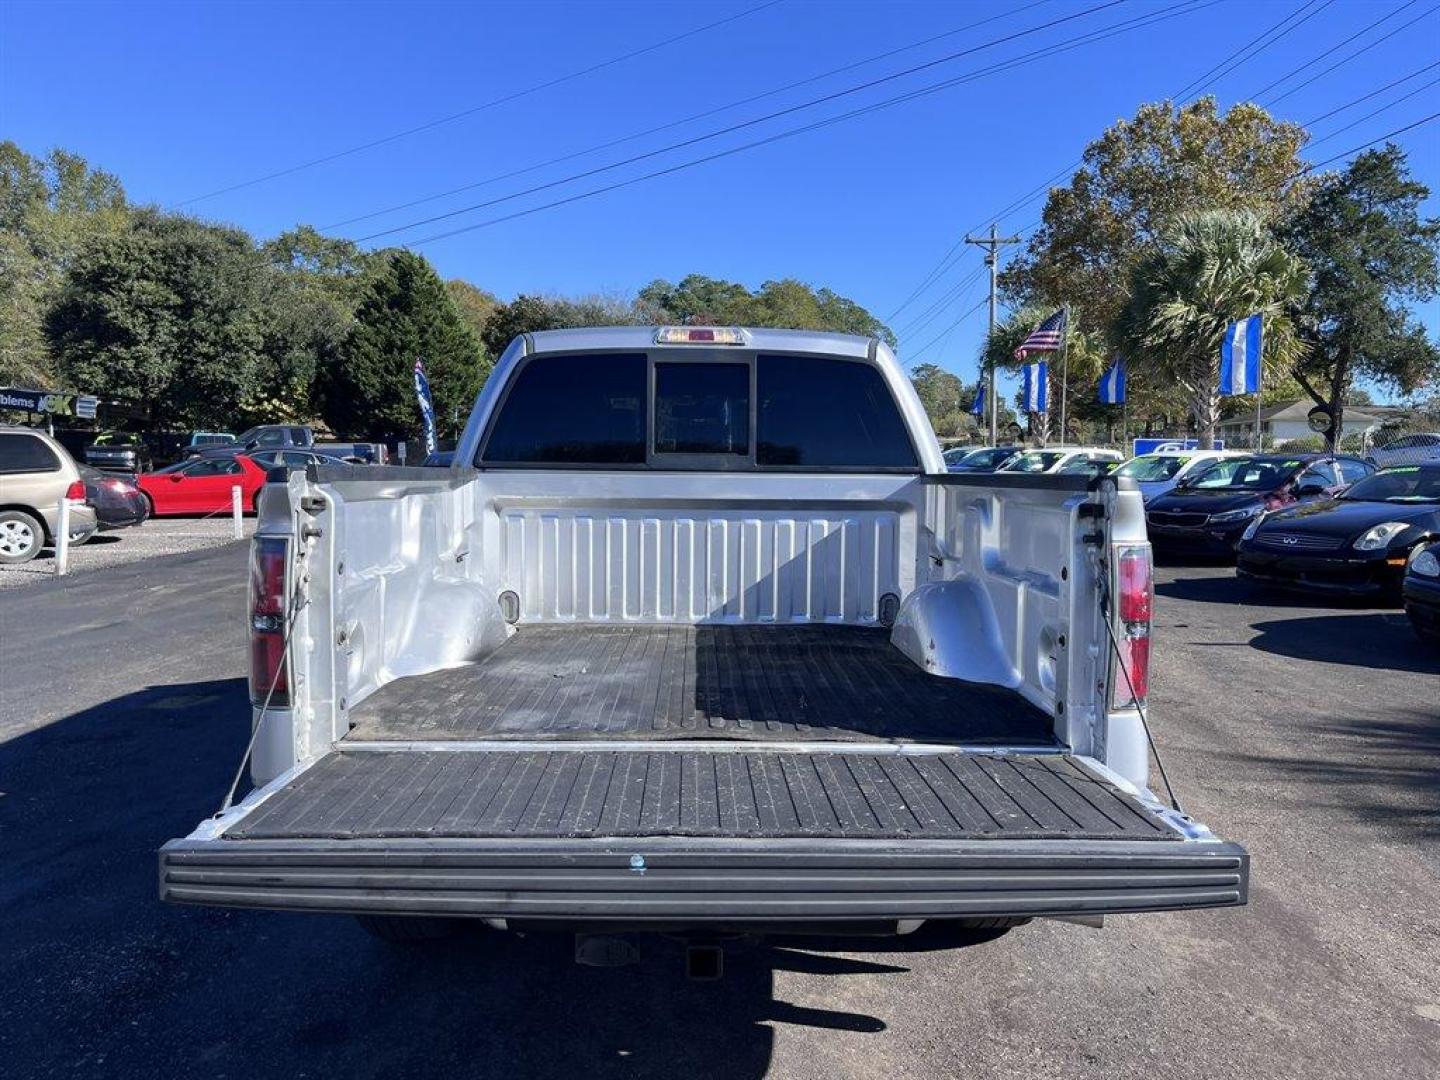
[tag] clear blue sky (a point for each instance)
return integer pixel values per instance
(183, 99)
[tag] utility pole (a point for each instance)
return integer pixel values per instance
(992, 245)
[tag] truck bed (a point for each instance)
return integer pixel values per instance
(761, 683)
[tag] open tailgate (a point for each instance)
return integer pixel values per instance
(701, 834)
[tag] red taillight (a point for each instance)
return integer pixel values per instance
(1137, 592)
(268, 557)
(1135, 585)
(76, 491)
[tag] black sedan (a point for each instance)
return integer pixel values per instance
(1207, 513)
(984, 459)
(117, 500)
(1358, 544)
(1422, 594)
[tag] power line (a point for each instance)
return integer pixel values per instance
(1346, 59)
(1374, 113)
(688, 119)
(731, 129)
(1048, 51)
(946, 299)
(921, 351)
(1235, 59)
(1333, 48)
(502, 100)
(1365, 146)
(1372, 93)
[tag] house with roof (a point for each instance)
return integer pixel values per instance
(1289, 420)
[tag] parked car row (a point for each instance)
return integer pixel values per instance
(1328, 524)
(37, 472)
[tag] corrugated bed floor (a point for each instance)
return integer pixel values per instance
(655, 682)
(738, 793)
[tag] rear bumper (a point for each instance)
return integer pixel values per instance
(644, 880)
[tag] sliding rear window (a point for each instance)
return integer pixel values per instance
(575, 410)
(815, 412)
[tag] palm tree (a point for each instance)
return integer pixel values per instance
(1208, 270)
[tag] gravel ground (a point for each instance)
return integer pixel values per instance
(1309, 734)
(158, 536)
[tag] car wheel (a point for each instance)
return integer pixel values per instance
(78, 538)
(407, 929)
(21, 536)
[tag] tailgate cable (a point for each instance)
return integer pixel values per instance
(1135, 698)
(297, 605)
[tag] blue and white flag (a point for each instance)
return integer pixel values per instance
(1240, 356)
(1112, 384)
(427, 406)
(978, 408)
(1037, 387)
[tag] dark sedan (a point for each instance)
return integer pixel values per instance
(984, 459)
(1422, 593)
(1207, 513)
(118, 500)
(1358, 544)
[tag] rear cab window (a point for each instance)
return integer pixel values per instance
(706, 410)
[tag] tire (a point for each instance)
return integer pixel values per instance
(79, 538)
(406, 929)
(21, 537)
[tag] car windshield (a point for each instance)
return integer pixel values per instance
(173, 468)
(1406, 484)
(117, 438)
(1035, 461)
(1246, 474)
(208, 438)
(1152, 467)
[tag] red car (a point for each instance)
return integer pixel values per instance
(202, 486)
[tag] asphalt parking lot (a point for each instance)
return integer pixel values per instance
(152, 538)
(1310, 734)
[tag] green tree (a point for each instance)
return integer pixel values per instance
(404, 314)
(166, 313)
(310, 289)
(697, 301)
(1371, 254)
(1136, 178)
(1207, 270)
(787, 303)
(528, 314)
(944, 397)
(475, 305)
(50, 208)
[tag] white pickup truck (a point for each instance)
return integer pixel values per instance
(699, 635)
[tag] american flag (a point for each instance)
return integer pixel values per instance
(1044, 338)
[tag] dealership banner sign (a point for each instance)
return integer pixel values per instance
(81, 406)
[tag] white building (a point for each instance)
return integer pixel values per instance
(1281, 423)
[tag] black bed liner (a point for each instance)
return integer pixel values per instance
(661, 682)
(576, 792)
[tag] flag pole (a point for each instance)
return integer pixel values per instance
(1064, 366)
(1259, 385)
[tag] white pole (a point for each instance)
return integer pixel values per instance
(235, 511)
(62, 538)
